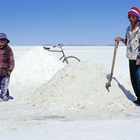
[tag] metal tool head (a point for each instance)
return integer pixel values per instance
(108, 76)
(107, 86)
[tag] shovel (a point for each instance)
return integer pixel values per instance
(109, 77)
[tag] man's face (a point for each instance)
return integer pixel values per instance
(3, 42)
(133, 19)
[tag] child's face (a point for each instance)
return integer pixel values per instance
(3, 42)
(133, 19)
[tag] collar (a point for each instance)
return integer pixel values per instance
(136, 27)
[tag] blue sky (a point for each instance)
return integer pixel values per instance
(71, 22)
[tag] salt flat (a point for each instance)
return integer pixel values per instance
(55, 101)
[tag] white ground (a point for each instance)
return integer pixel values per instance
(54, 101)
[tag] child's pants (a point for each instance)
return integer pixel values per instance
(135, 77)
(4, 83)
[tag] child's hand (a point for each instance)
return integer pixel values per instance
(118, 39)
(8, 73)
(138, 62)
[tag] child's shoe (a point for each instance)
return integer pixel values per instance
(5, 98)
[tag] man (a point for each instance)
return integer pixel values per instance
(6, 66)
(132, 41)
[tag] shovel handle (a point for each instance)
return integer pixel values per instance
(108, 84)
(113, 61)
(114, 57)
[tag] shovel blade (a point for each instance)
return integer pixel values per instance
(107, 86)
(108, 76)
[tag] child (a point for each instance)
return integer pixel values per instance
(132, 41)
(6, 66)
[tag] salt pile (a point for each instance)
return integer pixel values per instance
(32, 69)
(79, 88)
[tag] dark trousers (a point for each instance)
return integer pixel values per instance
(135, 77)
